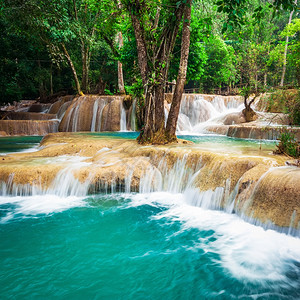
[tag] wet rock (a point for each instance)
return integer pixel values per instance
(274, 198)
(28, 127)
(92, 112)
(260, 188)
(249, 114)
(28, 116)
(38, 107)
(111, 116)
(234, 118)
(56, 106)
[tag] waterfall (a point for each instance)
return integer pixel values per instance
(73, 115)
(61, 112)
(122, 117)
(95, 114)
(98, 107)
(184, 173)
(199, 111)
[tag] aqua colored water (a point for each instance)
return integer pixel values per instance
(139, 246)
(210, 142)
(18, 143)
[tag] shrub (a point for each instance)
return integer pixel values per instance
(288, 145)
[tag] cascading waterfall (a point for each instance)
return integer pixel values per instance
(123, 123)
(196, 112)
(179, 178)
(117, 211)
(98, 107)
(73, 116)
(61, 112)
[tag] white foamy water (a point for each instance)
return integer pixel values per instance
(197, 113)
(247, 252)
(39, 204)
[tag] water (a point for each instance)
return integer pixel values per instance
(18, 143)
(139, 246)
(211, 142)
(156, 244)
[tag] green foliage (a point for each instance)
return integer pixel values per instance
(136, 90)
(285, 101)
(200, 28)
(293, 109)
(288, 145)
(220, 67)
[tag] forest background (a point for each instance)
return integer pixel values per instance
(43, 43)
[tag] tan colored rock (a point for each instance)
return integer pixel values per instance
(28, 127)
(79, 115)
(234, 118)
(275, 198)
(122, 163)
(29, 116)
(111, 116)
(55, 107)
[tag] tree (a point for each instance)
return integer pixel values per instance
(285, 49)
(293, 30)
(155, 25)
(176, 100)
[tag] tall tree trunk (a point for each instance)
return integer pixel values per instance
(285, 50)
(85, 67)
(154, 62)
(73, 70)
(141, 48)
(120, 67)
(177, 96)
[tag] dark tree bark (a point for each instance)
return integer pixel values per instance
(153, 62)
(248, 112)
(177, 96)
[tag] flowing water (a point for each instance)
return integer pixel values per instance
(139, 246)
(65, 243)
(19, 143)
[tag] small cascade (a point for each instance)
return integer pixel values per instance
(123, 124)
(98, 107)
(65, 184)
(198, 111)
(62, 110)
(29, 127)
(256, 195)
(73, 115)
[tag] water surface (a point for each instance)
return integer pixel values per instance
(139, 246)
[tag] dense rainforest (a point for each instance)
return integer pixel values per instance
(44, 44)
(143, 48)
